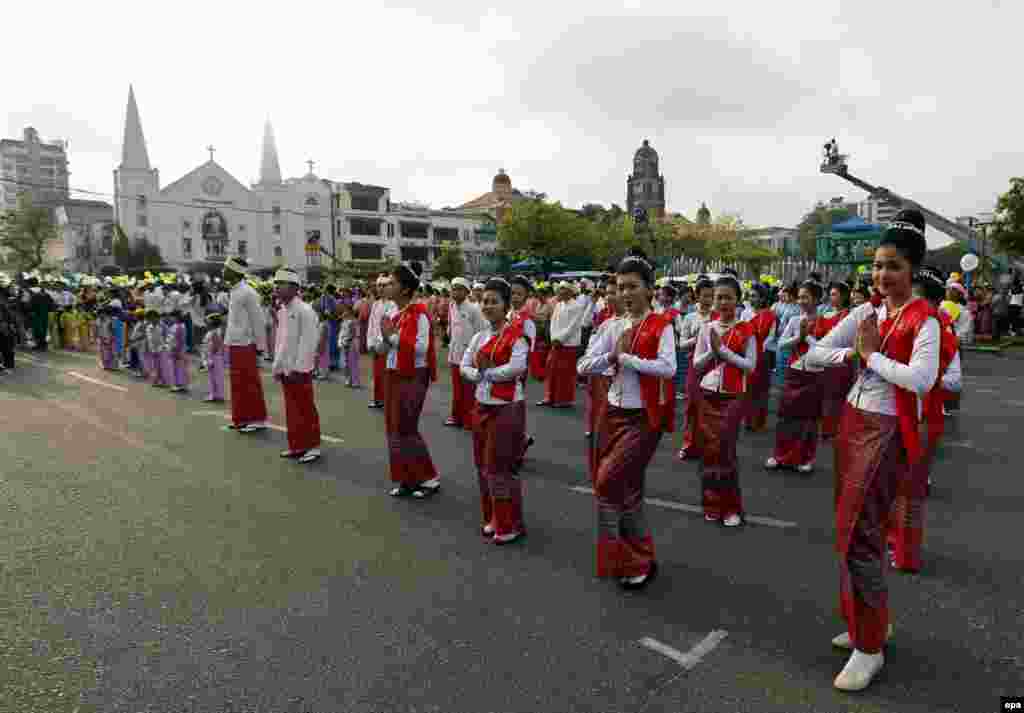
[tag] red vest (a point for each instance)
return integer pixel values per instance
(932, 407)
(407, 321)
(602, 316)
(898, 334)
(499, 348)
(762, 323)
(658, 394)
(822, 326)
(734, 379)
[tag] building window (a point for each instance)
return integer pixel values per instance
(338, 227)
(141, 202)
(363, 226)
(243, 248)
(442, 235)
(277, 228)
(277, 251)
(186, 224)
(418, 231)
(391, 230)
(415, 253)
(187, 247)
(241, 228)
(312, 200)
(214, 248)
(367, 252)
(364, 203)
(143, 221)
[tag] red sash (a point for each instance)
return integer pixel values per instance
(898, 334)
(932, 407)
(734, 378)
(658, 394)
(822, 326)
(500, 348)
(602, 316)
(762, 323)
(408, 321)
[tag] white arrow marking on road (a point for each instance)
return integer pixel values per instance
(696, 509)
(692, 657)
(271, 426)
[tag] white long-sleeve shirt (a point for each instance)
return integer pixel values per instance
(485, 378)
(567, 321)
(874, 389)
(712, 381)
(624, 391)
(952, 380)
(246, 323)
(790, 339)
(464, 321)
(298, 338)
(422, 344)
(690, 329)
(595, 337)
(380, 308)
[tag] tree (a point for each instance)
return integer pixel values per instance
(752, 256)
(822, 215)
(450, 263)
(122, 248)
(545, 232)
(25, 232)
(142, 254)
(703, 215)
(1008, 226)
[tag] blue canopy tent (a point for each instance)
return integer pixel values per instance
(851, 242)
(855, 224)
(531, 265)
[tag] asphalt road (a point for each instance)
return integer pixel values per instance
(152, 561)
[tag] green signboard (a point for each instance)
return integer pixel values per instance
(847, 249)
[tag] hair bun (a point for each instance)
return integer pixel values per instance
(635, 251)
(912, 216)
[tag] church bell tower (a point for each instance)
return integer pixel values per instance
(136, 183)
(645, 187)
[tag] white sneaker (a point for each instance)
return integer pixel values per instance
(843, 640)
(859, 670)
(771, 464)
(733, 520)
(309, 456)
(806, 468)
(252, 427)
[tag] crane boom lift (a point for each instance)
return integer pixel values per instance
(836, 164)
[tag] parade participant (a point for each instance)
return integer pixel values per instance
(566, 332)
(328, 305)
(641, 347)
(69, 328)
(725, 356)
(407, 338)
(40, 304)
(521, 309)
(165, 350)
(8, 329)
(785, 309)
(246, 337)
(763, 324)
(859, 295)
(105, 338)
(478, 293)
(382, 307)
(179, 352)
(348, 344)
(796, 434)
(137, 343)
(542, 346)
(213, 348)
(906, 521)
(362, 307)
(464, 321)
(898, 343)
(321, 370)
(295, 354)
(666, 302)
(692, 324)
(496, 360)
(151, 347)
(837, 380)
(600, 383)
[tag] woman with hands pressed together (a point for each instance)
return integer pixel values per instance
(496, 360)
(725, 356)
(641, 404)
(897, 347)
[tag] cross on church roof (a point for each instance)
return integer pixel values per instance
(310, 164)
(211, 150)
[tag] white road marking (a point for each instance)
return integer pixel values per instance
(697, 510)
(271, 426)
(98, 382)
(691, 658)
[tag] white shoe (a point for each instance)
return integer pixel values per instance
(309, 456)
(733, 520)
(252, 427)
(859, 670)
(771, 464)
(505, 539)
(843, 640)
(806, 468)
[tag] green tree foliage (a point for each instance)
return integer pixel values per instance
(703, 215)
(545, 232)
(1008, 227)
(25, 232)
(140, 255)
(450, 263)
(822, 215)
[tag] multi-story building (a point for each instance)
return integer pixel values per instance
(86, 235)
(32, 167)
(877, 212)
(784, 241)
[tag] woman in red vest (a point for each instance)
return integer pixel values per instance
(495, 361)
(598, 384)
(725, 356)
(837, 379)
(522, 308)
(641, 405)
(906, 521)
(796, 434)
(691, 326)
(763, 324)
(408, 341)
(898, 345)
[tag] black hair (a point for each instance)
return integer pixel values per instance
(522, 282)
(703, 283)
(408, 277)
(932, 282)
(668, 287)
(906, 233)
(635, 263)
(814, 287)
(502, 287)
(844, 291)
(731, 282)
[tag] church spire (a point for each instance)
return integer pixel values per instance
(133, 150)
(270, 167)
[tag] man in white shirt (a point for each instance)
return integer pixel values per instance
(382, 307)
(298, 340)
(566, 337)
(245, 336)
(464, 321)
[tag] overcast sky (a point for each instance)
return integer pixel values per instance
(431, 99)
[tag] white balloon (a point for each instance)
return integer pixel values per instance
(969, 262)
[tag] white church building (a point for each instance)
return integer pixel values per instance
(206, 215)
